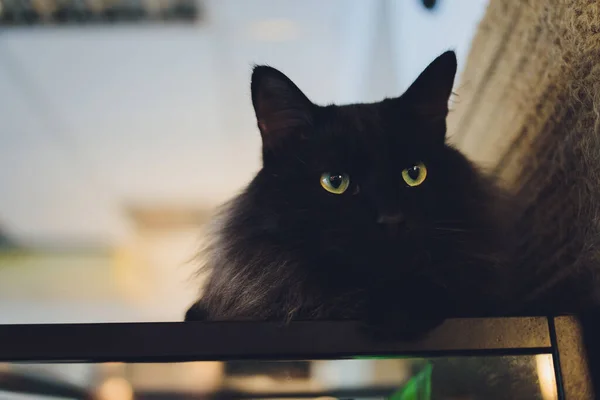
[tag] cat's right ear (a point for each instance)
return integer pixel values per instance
(281, 108)
(429, 94)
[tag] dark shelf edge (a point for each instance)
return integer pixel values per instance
(164, 342)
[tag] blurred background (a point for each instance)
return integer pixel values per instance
(125, 122)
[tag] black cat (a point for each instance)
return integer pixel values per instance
(359, 212)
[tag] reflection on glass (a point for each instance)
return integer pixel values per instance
(395, 378)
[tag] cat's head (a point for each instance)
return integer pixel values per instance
(364, 183)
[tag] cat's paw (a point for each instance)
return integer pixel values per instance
(197, 312)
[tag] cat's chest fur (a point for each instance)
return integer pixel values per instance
(264, 265)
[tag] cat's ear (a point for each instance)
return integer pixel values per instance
(429, 94)
(281, 108)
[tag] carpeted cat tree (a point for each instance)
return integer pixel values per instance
(528, 108)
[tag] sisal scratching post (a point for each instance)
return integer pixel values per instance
(533, 72)
(528, 109)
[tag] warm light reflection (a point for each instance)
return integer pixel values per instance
(113, 365)
(197, 377)
(96, 5)
(204, 375)
(43, 7)
(112, 369)
(266, 383)
(115, 389)
(546, 377)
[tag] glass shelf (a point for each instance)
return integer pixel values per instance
(488, 359)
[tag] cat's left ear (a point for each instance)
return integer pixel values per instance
(280, 106)
(429, 94)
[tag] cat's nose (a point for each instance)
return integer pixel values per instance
(396, 218)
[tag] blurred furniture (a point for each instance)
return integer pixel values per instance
(74, 12)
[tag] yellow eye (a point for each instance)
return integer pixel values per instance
(335, 183)
(415, 175)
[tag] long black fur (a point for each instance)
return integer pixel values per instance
(287, 249)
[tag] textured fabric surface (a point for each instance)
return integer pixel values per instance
(528, 108)
(533, 70)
